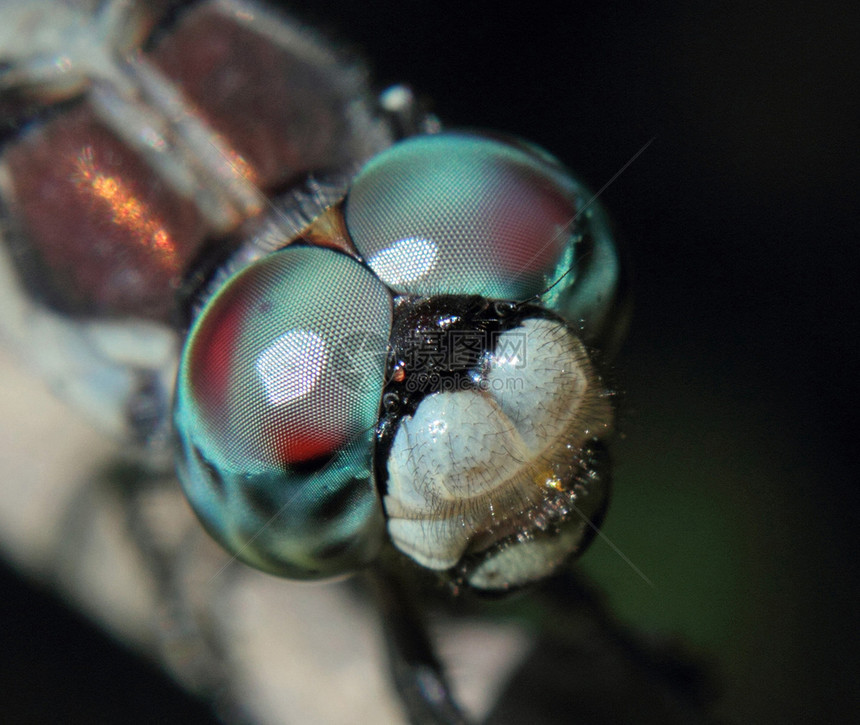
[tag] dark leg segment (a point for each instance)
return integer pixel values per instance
(417, 672)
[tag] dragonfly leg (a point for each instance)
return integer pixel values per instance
(417, 673)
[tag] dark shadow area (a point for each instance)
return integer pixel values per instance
(57, 667)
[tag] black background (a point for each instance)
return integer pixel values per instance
(740, 374)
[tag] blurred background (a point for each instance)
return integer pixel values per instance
(736, 485)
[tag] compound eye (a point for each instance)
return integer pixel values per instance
(271, 370)
(277, 398)
(458, 213)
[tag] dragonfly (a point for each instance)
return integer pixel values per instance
(361, 342)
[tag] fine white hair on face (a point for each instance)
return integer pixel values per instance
(482, 464)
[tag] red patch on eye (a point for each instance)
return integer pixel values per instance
(212, 353)
(297, 446)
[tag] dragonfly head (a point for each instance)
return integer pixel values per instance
(433, 387)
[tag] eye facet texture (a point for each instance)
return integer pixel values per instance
(461, 214)
(465, 214)
(277, 399)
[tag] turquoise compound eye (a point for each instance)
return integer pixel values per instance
(277, 399)
(460, 213)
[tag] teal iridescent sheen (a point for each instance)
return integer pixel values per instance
(460, 213)
(277, 398)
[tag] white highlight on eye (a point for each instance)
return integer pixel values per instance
(407, 260)
(290, 367)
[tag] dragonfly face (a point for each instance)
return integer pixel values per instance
(414, 366)
(430, 386)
